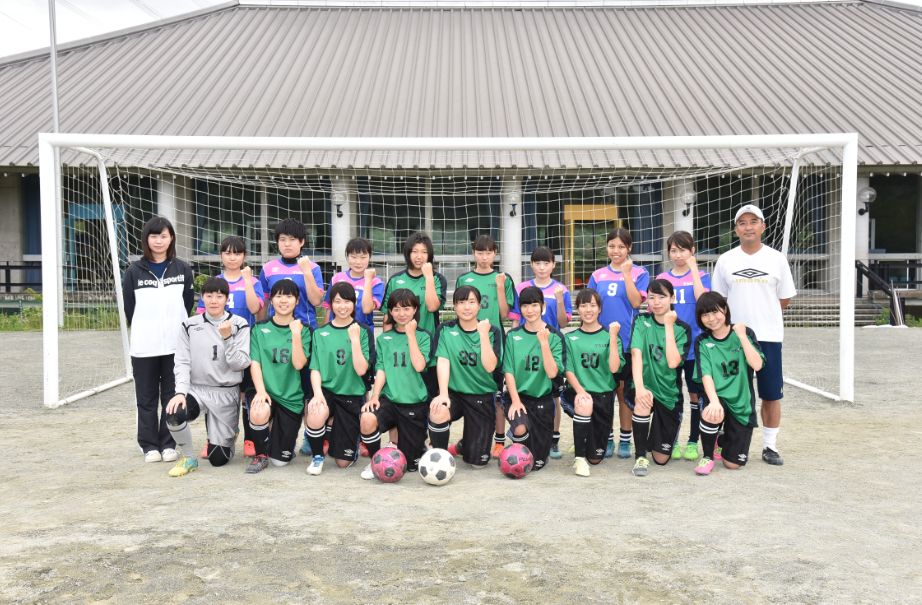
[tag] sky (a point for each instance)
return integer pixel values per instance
(24, 23)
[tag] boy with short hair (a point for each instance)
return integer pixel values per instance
(557, 313)
(497, 291)
(289, 237)
(534, 358)
(279, 350)
(212, 352)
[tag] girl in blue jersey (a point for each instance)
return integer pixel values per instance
(622, 286)
(689, 284)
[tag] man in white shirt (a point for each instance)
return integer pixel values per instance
(758, 285)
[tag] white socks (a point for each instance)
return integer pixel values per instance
(770, 437)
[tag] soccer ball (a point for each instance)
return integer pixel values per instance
(389, 465)
(437, 467)
(516, 461)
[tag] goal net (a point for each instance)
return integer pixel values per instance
(566, 194)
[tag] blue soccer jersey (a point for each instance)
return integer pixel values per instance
(685, 301)
(609, 283)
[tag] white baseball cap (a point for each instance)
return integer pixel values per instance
(749, 209)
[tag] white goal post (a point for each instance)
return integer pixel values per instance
(94, 153)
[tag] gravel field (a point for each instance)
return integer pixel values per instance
(86, 520)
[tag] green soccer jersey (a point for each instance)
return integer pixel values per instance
(332, 357)
(428, 320)
(485, 283)
(587, 358)
(522, 359)
(403, 383)
(725, 362)
(649, 337)
(270, 347)
(462, 350)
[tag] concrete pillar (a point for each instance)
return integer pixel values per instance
(343, 214)
(166, 197)
(511, 227)
(678, 198)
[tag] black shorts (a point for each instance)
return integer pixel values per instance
(539, 422)
(431, 380)
(411, 421)
(688, 370)
(479, 416)
(285, 428)
(603, 414)
(735, 440)
(344, 438)
(664, 427)
(624, 372)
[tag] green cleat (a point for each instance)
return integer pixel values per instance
(677, 451)
(691, 451)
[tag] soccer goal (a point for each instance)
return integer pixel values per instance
(565, 193)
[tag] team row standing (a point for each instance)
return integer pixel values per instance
(618, 282)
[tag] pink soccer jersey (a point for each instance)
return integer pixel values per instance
(550, 302)
(377, 293)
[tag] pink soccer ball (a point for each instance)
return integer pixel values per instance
(516, 461)
(389, 465)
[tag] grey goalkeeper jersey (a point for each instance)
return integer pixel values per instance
(203, 357)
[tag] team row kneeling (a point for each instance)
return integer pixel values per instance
(420, 382)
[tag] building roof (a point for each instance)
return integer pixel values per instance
(489, 72)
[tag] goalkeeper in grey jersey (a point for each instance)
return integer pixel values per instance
(211, 355)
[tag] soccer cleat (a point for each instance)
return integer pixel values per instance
(257, 464)
(624, 450)
(316, 465)
(453, 449)
(366, 472)
(363, 450)
(305, 448)
(184, 466)
(717, 456)
(641, 467)
(610, 449)
(677, 451)
(704, 467)
(152, 456)
(555, 452)
(495, 452)
(169, 455)
(691, 451)
(772, 457)
(249, 448)
(581, 467)
(204, 452)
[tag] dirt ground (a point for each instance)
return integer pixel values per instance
(86, 520)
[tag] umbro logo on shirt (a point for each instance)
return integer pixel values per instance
(387, 337)
(453, 333)
(709, 345)
(324, 333)
(469, 280)
(750, 273)
(516, 338)
(574, 338)
(265, 330)
(401, 282)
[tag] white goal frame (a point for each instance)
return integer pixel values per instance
(50, 145)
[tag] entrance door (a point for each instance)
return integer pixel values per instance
(585, 228)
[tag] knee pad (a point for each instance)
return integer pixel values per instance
(218, 455)
(177, 418)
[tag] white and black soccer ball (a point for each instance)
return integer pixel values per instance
(437, 466)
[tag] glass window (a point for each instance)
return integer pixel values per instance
(390, 210)
(307, 200)
(462, 210)
(222, 209)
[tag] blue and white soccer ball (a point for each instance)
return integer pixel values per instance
(437, 466)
